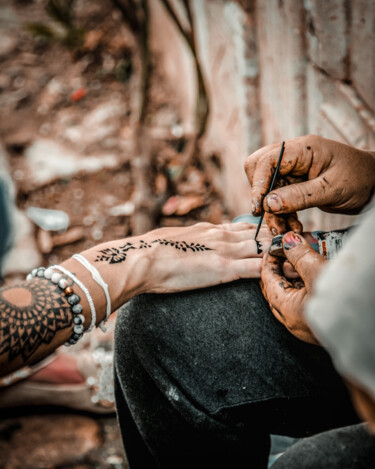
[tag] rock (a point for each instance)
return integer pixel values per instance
(47, 441)
(47, 219)
(5, 82)
(44, 241)
(178, 205)
(7, 44)
(125, 209)
(24, 255)
(92, 40)
(53, 94)
(71, 236)
(48, 161)
(97, 125)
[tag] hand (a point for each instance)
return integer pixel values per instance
(314, 172)
(202, 255)
(287, 298)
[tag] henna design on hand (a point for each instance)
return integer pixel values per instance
(33, 320)
(117, 255)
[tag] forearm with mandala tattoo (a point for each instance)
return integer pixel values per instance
(36, 316)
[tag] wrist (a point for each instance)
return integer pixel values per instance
(123, 266)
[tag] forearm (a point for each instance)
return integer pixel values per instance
(36, 317)
(41, 314)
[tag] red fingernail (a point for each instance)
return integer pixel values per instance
(274, 203)
(291, 240)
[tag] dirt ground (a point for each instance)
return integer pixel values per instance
(67, 128)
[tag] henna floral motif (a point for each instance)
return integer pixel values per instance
(24, 328)
(117, 255)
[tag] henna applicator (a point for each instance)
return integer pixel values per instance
(269, 190)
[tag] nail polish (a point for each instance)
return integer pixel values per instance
(291, 240)
(326, 243)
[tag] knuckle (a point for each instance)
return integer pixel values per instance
(249, 167)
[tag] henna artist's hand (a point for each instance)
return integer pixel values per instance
(202, 255)
(314, 172)
(287, 298)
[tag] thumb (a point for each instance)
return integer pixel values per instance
(307, 262)
(294, 197)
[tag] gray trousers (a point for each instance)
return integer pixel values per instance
(203, 378)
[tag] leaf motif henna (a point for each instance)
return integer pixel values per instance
(117, 255)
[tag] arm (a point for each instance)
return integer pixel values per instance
(36, 317)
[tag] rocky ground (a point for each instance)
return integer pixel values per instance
(67, 143)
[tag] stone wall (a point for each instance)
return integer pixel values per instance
(276, 69)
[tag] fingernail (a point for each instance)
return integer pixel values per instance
(274, 203)
(253, 208)
(291, 240)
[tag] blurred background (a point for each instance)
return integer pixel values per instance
(125, 115)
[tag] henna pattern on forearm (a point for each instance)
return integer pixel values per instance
(26, 324)
(117, 255)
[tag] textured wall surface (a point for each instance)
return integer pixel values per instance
(278, 69)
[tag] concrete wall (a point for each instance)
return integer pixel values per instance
(278, 69)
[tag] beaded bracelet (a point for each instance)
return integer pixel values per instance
(85, 291)
(72, 298)
(99, 280)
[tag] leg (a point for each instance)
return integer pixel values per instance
(342, 448)
(213, 371)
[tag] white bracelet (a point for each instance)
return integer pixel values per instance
(85, 291)
(98, 279)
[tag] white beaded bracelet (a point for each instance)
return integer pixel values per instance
(85, 291)
(98, 279)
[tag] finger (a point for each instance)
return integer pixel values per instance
(293, 223)
(259, 168)
(238, 226)
(315, 193)
(242, 234)
(278, 291)
(248, 268)
(276, 224)
(307, 262)
(246, 249)
(289, 271)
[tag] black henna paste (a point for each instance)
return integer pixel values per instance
(117, 255)
(24, 328)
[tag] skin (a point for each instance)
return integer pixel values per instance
(35, 317)
(315, 172)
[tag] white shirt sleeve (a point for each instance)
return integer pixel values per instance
(341, 311)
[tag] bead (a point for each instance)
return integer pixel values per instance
(77, 309)
(78, 329)
(91, 381)
(34, 272)
(77, 319)
(48, 273)
(40, 272)
(63, 283)
(69, 292)
(29, 277)
(74, 299)
(56, 277)
(81, 317)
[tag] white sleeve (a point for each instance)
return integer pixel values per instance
(341, 311)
